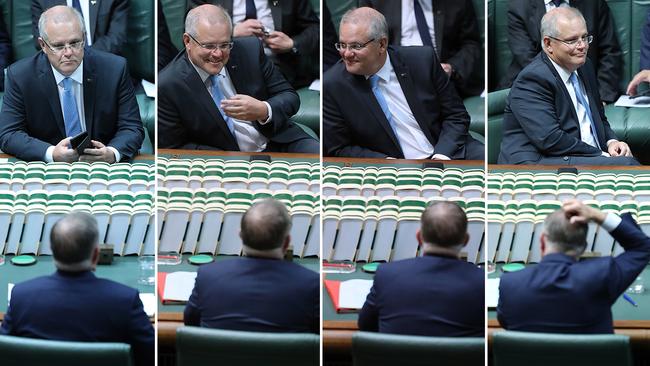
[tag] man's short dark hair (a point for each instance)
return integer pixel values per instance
(265, 225)
(74, 238)
(567, 237)
(444, 224)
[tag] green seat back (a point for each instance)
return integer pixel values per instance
(496, 106)
(537, 349)
(207, 347)
(139, 49)
(20, 351)
(175, 18)
(377, 349)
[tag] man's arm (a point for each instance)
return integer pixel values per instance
(129, 132)
(369, 315)
(532, 102)
(115, 37)
(645, 45)
(469, 55)
(14, 139)
(628, 265)
(141, 334)
(307, 38)
(192, 314)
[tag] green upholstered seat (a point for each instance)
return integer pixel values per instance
(377, 349)
(533, 349)
(496, 106)
(207, 347)
(140, 40)
(20, 351)
(308, 114)
(147, 115)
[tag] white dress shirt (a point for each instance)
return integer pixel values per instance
(85, 9)
(414, 143)
(410, 33)
(263, 15)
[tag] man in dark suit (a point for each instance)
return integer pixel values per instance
(435, 295)
(50, 98)
(6, 52)
(166, 48)
(259, 292)
(225, 95)
(74, 305)
(382, 102)
(449, 26)
(289, 29)
(553, 114)
(525, 42)
(562, 295)
(105, 22)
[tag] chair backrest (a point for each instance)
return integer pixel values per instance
(20, 351)
(202, 347)
(496, 105)
(377, 349)
(531, 349)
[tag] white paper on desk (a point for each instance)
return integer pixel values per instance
(315, 85)
(149, 303)
(179, 285)
(149, 88)
(353, 293)
(9, 288)
(639, 102)
(492, 292)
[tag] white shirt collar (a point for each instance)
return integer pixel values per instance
(204, 75)
(77, 75)
(385, 71)
(564, 74)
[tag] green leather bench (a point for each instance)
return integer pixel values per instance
(309, 112)
(139, 50)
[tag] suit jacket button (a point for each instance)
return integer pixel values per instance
(566, 158)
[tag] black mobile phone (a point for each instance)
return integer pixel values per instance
(80, 142)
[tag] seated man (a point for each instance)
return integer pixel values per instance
(64, 90)
(562, 295)
(104, 22)
(259, 292)
(553, 114)
(450, 27)
(73, 304)
(435, 295)
(525, 42)
(385, 102)
(226, 95)
(289, 30)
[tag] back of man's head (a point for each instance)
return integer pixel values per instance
(73, 240)
(444, 225)
(563, 236)
(265, 226)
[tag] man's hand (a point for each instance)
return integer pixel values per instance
(618, 148)
(642, 76)
(63, 153)
(99, 152)
(250, 27)
(579, 213)
(245, 108)
(448, 68)
(279, 42)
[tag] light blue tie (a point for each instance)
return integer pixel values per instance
(218, 96)
(374, 80)
(581, 99)
(70, 113)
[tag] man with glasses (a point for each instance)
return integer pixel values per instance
(221, 94)
(66, 90)
(525, 42)
(553, 114)
(385, 102)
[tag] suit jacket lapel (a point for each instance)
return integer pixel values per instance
(51, 92)
(408, 88)
(194, 82)
(565, 92)
(276, 12)
(90, 92)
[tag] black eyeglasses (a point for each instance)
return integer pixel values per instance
(74, 46)
(352, 46)
(575, 42)
(223, 47)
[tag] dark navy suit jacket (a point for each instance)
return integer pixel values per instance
(429, 296)
(540, 120)
(31, 119)
(560, 295)
(80, 307)
(645, 45)
(355, 126)
(255, 294)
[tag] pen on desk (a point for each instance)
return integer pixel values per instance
(629, 299)
(641, 94)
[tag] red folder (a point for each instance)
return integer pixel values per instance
(162, 279)
(332, 287)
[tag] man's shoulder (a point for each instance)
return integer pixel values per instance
(28, 66)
